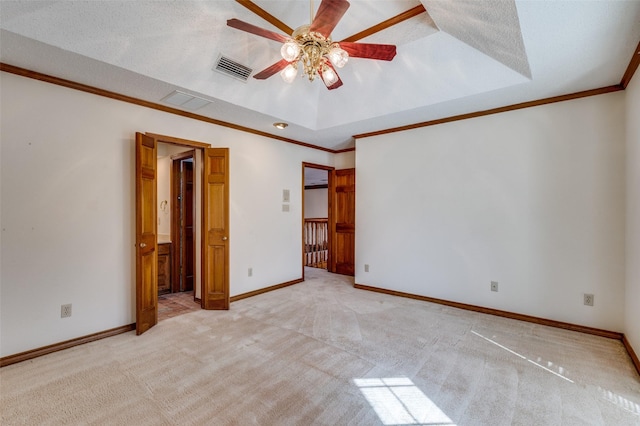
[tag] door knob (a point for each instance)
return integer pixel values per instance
(142, 245)
(224, 238)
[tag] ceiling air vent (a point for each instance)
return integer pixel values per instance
(185, 100)
(232, 68)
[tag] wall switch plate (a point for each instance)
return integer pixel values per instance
(285, 208)
(588, 299)
(366, 267)
(65, 311)
(250, 272)
(285, 196)
(494, 285)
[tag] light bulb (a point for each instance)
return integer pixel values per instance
(329, 76)
(338, 57)
(290, 51)
(289, 73)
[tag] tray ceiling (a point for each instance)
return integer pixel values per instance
(458, 57)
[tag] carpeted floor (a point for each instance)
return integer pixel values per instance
(322, 352)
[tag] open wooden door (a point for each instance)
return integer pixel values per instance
(146, 230)
(342, 259)
(215, 236)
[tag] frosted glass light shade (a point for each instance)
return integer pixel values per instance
(289, 73)
(338, 57)
(290, 51)
(329, 76)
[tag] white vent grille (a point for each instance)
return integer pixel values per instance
(232, 68)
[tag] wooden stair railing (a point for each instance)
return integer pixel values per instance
(316, 233)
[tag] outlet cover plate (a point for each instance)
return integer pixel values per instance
(65, 311)
(588, 299)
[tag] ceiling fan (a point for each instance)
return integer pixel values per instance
(311, 45)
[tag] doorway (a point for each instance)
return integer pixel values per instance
(316, 233)
(211, 224)
(176, 230)
(183, 222)
(330, 246)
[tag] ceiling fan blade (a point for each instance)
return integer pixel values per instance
(337, 83)
(243, 26)
(266, 16)
(383, 52)
(268, 72)
(329, 14)
(388, 23)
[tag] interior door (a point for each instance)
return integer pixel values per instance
(215, 241)
(188, 227)
(343, 245)
(146, 230)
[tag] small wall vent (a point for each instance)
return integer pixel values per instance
(232, 68)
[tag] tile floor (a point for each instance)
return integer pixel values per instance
(174, 304)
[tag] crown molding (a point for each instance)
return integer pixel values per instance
(530, 104)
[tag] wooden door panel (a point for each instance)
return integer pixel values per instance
(344, 259)
(216, 261)
(146, 233)
(217, 217)
(215, 247)
(344, 205)
(149, 270)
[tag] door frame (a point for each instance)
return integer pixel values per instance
(330, 171)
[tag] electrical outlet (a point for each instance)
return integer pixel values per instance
(494, 285)
(250, 272)
(366, 267)
(285, 208)
(588, 299)
(65, 311)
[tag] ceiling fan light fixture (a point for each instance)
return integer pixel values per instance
(311, 45)
(289, 73)
(290, 51)
(338, 57)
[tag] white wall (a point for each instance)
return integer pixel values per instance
(316, 203)
(533, 199)
(345, 160)
(632, 297)
(67, 191)
(165, 151)
(164, 194)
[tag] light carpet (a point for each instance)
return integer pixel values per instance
(324, 353)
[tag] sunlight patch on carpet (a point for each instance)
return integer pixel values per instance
(397, 401)
(525, 358)
(620, 401)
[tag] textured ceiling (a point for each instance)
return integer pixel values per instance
(461, 56)
(315, 176)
